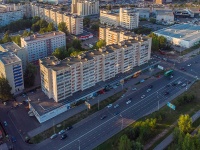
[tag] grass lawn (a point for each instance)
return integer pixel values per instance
(169, 119)
(76, 118)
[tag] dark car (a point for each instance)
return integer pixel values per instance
(189, 82)
(13, 139)
(116, 113)
(69, 128)
(64, 136)
(150, 86)
(174, 84)
(103, 117)
(166, 93)
(168, 85)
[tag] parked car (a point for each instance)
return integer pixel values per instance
(150, 86)
(109, 106)
(143, 96)
(13, 139)
(189, 65)
(61, 132)
(179, 82)
(128, 102)
(103, 117)
(53, 136)
(148, 90)
(117, 105)
(134, 89)
(166, 93)
(69, 128)
(5, 123)
(64, 136)
(184, 84)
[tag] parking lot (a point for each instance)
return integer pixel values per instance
(152, 26)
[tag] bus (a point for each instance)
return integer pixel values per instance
(168, 73)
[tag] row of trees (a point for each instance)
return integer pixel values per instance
(135, 137)
(29, 75)
(142, 30)
(182, 139)
(5, 89)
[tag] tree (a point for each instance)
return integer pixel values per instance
(35, 28)
(26, 33)
(50, 27)
(75, 53)
(43, 30)
(101, 43)
(124, 143)
(95, 27)
(137, 146)
(62, 27)
(6, 38)
(76, 43)
(162, 41)
(16, 39)
(153, 20)
(29, 75)
(155, 45)
(35, 19)
(5, 89)
(185, 123)
(86, 21)
(187, 143)
(60, 53)
(43, 23)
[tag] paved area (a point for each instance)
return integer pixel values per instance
(169, 139)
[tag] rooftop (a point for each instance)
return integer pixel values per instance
(10, 46)
(43, 36)
(187, 32)
(8, 58)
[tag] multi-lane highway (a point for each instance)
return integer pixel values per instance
(92, 131)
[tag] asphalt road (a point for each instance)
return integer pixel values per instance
(92, 132)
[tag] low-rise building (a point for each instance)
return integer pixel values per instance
(41, 45)
(109, 18)
(165, 17)
(11, 69)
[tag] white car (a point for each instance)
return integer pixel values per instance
(61, 132)
(134, 89)
(179, 82)
(122, 96)
(143, 96)
(128, 102)
(117, 105)
(183, 85)
(109, 106)
(148, 90)
(189, 65)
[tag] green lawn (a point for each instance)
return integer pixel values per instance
(169, 119)
(76, 118)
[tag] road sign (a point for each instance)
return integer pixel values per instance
(171, 105)
(87, 104)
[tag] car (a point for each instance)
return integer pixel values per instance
(188, 81)
(168, 85)
(117, 105)
(179, 82)
(148, 90)
(174, 84)
(5, 123)
(134, 89)
(184, 84)
(69, 128)
(122, 96)
(143, 96)
(166, 93)
(109, 106)
(13, 139)
(171, 76)
(61, 132)
(182, 68)
(128, 102)
(116, 113)
(189, 65)
(150, 86)
(64, 136)
(103, 117)
(53, 136)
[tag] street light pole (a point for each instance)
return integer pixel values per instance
(122, 122)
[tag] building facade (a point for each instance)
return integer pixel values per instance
(85, 7)
(60, 79)
(41, 45)
(109, 18)
(11, 69)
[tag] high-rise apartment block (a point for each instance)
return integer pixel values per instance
(73, 22)
(11, 69)
(114, 35)
(126, 17)
(41, 45)
(60, 79)
(85, 7)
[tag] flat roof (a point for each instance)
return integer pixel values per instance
(11, 46)
(8, 58)
(187, 32)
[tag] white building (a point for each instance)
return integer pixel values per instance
(41, 45)
(11, 69)
(184, 35)
(165, 17)
(85, 7)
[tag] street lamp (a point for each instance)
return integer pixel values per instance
(122, 121)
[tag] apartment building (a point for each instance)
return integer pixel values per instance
(109, 18)
(41, 45)
(18, 51)
(129, 18)
(85, 7)
(126, 17)
(73, 22)
(60, 79)
(6, 17)
(114, 35)
(11, 69)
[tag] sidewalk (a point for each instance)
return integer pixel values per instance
(58, 119)
(169, 139)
